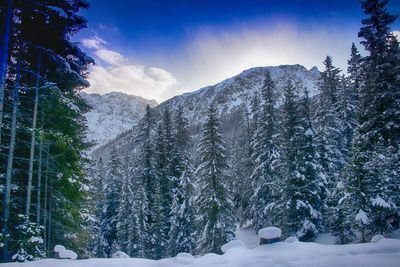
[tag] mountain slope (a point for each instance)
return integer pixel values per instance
(230, 96)
(112, 114)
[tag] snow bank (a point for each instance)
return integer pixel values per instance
(385, 253)
(184, 255)
(119, 254)
(377, 238)
(58, 248)
(67, 254)
(233, 244)
(292, 239)
(270, 232)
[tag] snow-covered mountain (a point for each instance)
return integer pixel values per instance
(229, 96)
(232, 93)
(112, 114)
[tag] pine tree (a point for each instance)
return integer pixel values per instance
(125, 216)
(139, 223)
(240, 160)
(371, 182)
(112, 192)
(181, 236)
(154, 238)
(216, 223)
(347, 106)
(301, 200)
(265, 155)
(98, 227)
(349, 96)
(30, 241)
(354, 70)
(254, 125)
(329, 139)
(165, 173)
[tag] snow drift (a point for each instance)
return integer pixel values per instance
(385, 253)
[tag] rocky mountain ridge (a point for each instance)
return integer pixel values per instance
(230, 96)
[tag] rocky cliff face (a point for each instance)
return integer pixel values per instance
(112, 114)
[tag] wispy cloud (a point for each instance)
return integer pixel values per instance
(93, 43)
(110, 56)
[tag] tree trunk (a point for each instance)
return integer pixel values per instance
(46, 176)
(50, 213)
(4, 49)
(39, 175)
(9, 169)
(32, 150)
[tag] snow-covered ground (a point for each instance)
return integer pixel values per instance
(385, 253)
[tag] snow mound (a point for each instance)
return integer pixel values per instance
(67, 254)
(377, 238)
(59, 248)
(184, 255)
(292, 239)
(119, 254)
(233, 244)
(270, 232)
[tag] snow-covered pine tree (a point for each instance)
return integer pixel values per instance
(112, 191)
(149, 176)
(165, 173)
(301, 202)
(240, 160)
(215, 217)
(98, 199)
(349, 95)
(329, 139)
(347, 107)
(125, 216)
(181, 236)
(139, 223)
(265, 155)
(372, 183)
(254, 151)
(30, 241)
(354, 69)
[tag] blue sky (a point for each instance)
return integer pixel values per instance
(161, 48)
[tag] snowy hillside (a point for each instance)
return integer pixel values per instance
(230, 96)
(385, 253)
(112, 114)
(231, 93)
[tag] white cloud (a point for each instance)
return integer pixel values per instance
(93, 43)
(110, 56)
(117, 74)
(150, 83)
